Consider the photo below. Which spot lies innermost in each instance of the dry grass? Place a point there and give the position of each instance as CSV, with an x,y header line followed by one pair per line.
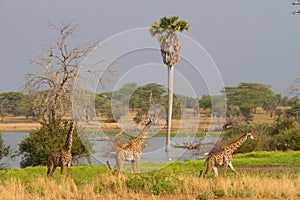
x,y
114,187
19,123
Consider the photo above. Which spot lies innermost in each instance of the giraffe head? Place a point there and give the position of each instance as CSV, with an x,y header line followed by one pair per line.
x,y
147,127
250,135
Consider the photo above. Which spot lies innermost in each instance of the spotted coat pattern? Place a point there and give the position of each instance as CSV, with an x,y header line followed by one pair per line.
x,y
132,151
224,157
63,157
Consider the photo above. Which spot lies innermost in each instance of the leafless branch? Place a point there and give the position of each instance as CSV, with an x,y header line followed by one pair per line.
x,y
53,85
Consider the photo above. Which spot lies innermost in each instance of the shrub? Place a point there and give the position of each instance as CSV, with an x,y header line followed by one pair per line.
x,y
135,183
288,140
283,134
219,193
249,145
4,150
202,196
49,138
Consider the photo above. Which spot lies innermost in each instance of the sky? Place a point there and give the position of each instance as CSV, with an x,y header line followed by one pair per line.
x,y
248,41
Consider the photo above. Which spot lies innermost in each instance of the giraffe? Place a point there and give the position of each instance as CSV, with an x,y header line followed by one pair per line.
x,y
63,157
224,156
132,151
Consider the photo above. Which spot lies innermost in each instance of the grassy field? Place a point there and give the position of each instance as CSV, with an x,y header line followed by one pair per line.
x,y
263,175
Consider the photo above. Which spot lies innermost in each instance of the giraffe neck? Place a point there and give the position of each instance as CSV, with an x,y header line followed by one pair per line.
x,y
135,143
233,146
68,144
138,141
145,130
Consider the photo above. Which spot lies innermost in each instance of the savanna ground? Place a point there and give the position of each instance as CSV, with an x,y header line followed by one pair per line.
x,y
263,175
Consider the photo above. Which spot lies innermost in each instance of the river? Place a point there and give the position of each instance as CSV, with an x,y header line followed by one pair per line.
x,y
154,151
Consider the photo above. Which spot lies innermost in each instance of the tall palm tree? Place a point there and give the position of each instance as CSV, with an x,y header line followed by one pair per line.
x,y
170,48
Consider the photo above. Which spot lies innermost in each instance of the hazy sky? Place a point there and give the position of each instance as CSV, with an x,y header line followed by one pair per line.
x,y
250,41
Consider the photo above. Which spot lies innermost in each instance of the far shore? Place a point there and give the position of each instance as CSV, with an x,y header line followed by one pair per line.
x,y
23,124
19,127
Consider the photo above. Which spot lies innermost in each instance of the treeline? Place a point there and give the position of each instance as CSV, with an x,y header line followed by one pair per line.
x,y
242,102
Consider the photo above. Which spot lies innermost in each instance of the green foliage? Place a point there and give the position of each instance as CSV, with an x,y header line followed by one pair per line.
x,y
235,132
205,102
49,138
4,150
166,180
220,193
285,134
168,24
294,112
202,196
282,135
15,103
135,183
288,139
283,124
263,159
164,183
248,96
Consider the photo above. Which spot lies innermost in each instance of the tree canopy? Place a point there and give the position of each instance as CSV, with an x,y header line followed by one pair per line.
x,y
246,97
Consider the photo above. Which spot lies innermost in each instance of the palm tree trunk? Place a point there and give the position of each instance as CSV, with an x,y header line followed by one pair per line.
x,y
170,106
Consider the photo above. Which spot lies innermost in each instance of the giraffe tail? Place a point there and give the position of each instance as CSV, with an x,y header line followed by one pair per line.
x,y
108,165
200,173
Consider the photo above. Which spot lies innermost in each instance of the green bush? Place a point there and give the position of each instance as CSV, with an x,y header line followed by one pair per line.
x,y
235,132
202,196
4,150
135,184
283,135
219,193
49,138
288,140
98,189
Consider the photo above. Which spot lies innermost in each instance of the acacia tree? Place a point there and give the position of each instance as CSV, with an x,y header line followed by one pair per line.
x,y
170,48
246,97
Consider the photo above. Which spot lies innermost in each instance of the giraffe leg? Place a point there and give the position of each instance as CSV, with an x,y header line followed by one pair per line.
x,y
225,169
209,166
138,166
232,168
69,169
50,170
53,169
119,164
215,171
61,172
132,166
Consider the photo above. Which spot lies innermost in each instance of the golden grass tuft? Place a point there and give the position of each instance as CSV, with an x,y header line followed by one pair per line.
x,y
114,187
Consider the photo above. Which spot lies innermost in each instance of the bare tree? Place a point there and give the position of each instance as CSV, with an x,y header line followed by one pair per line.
x,y
60,61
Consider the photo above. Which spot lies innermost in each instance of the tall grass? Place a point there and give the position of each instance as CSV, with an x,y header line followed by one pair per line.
x,y
178,180
138,187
